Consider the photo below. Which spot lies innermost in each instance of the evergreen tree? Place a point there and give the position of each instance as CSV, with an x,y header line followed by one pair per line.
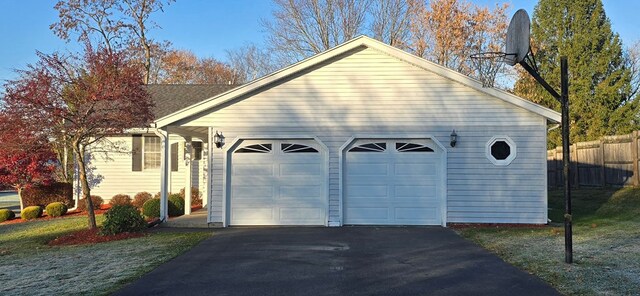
x,y
599,80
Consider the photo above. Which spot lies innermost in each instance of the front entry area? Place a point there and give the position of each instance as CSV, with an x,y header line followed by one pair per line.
x,y
277,182
393,182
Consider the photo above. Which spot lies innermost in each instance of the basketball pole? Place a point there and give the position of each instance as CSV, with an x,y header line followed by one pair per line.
x,y
563,98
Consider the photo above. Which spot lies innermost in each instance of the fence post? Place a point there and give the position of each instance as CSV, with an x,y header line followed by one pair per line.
x,y
634,156
602,164
574,165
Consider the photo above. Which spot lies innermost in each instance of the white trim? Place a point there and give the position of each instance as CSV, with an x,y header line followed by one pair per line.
x,y
545,171
513,149
236,140
361,41
443,169
210,183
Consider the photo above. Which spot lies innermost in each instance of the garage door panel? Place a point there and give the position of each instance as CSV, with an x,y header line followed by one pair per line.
x,y
300,192
415,169
368,169
368,213
252,192
259,216
415,192
399,185
368,191
301,215
284,186
252,169
300,169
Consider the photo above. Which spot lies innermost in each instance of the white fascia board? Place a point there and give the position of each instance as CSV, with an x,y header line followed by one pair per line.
x,y
341,49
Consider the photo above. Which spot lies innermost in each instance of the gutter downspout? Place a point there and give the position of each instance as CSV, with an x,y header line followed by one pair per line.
x,y
553,127
164,171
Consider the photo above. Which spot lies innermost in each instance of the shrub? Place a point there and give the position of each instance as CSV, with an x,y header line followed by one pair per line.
x,y
196,196
120,199
122,218
31,212
56,209
46,194
97,202
176,205
151,208
6,214
140,198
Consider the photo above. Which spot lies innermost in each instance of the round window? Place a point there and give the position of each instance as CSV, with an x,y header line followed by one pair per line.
x,y
501,150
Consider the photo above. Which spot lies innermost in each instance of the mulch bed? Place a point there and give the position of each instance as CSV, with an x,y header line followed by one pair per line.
x,y
91,236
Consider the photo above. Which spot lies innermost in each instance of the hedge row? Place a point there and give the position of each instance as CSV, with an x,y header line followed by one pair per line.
x,y
46,194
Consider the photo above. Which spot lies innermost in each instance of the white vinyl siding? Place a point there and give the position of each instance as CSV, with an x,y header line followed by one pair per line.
x,y
111,174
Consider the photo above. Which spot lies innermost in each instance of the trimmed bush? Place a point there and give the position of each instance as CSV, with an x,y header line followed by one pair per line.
x,y
140,198
176,205
6,214
46,194
151,208
196,196
31,212
56,209
97,202
120,199
122,218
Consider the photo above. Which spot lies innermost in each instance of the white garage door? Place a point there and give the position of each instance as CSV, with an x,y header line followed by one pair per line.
x,y
393,182
278,182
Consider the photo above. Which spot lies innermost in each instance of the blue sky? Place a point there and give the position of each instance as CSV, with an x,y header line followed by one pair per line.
x,y
206,27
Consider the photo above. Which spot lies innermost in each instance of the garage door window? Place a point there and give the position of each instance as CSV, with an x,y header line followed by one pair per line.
x,y
501,150
370,147
297,148
257,148
412,147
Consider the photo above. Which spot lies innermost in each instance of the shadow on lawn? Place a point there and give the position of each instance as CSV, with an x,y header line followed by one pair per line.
x,y
593,204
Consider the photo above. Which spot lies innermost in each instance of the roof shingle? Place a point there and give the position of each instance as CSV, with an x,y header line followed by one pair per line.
x,y
169,98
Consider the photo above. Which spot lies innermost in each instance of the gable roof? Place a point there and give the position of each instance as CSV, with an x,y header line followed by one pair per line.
x,y
357,42
169,98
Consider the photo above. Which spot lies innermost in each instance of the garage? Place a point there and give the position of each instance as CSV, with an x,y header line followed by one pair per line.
x,y
278,182
393,182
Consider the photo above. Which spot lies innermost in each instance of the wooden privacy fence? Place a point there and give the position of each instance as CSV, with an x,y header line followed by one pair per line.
x,y
611,161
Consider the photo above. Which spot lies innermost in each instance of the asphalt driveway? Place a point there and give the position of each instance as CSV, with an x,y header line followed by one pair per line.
x,y
337,261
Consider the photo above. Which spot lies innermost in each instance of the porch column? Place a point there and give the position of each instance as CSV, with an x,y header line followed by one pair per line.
x,y
188,182
164,172
210,148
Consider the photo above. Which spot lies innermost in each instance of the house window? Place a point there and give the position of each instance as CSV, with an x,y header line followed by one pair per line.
x,y
151,152
412,147
297,148
370,147
257,148
501,150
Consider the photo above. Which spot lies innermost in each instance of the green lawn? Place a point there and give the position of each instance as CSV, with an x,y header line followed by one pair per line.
x,y
29,267
606,243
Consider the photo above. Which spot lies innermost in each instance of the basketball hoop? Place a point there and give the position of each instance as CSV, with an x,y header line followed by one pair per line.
x,y
488,64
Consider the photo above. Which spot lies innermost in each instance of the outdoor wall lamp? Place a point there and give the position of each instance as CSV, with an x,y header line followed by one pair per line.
x,y
454,138
218,139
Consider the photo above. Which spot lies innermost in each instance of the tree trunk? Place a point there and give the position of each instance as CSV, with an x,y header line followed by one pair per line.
x,y
19,189
86,191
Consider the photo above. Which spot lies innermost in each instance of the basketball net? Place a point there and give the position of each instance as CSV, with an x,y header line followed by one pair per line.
x,y
487,65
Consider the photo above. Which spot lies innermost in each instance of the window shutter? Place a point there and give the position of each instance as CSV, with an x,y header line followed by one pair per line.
x,y
136,153
174,157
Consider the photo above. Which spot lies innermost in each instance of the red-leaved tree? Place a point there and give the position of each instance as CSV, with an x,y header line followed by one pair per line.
x,y
26,159
80,99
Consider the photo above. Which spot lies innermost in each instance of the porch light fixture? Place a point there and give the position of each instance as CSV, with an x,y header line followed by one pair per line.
x,y
218,139
454,138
